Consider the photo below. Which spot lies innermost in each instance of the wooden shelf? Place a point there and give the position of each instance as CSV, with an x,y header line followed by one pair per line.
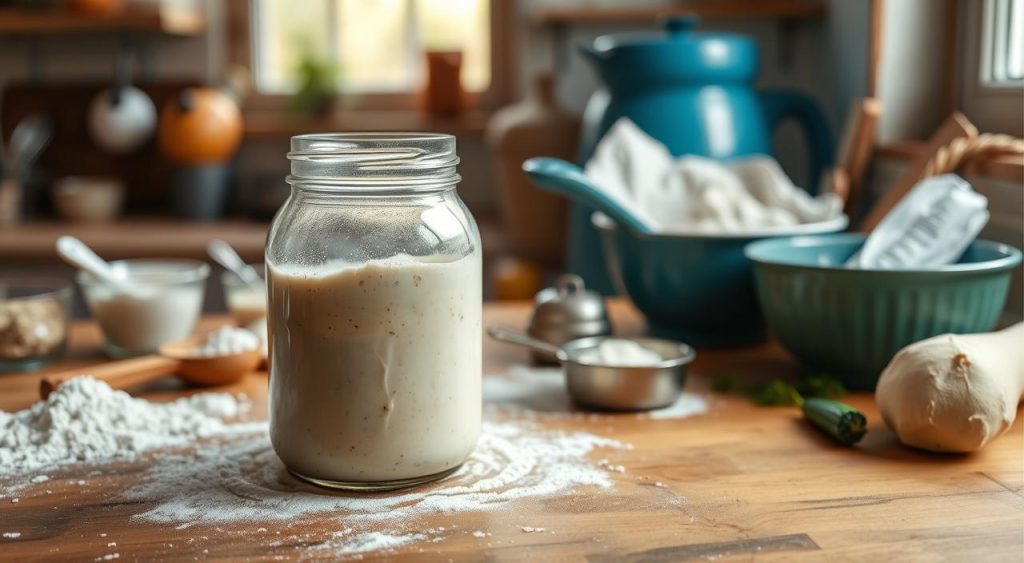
x,y
272,125
169,22
33,242
706,9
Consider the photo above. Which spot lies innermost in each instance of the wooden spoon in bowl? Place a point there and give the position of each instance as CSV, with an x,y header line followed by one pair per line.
x,y
174,357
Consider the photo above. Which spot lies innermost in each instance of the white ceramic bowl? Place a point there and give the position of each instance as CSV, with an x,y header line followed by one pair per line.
x,y
162,304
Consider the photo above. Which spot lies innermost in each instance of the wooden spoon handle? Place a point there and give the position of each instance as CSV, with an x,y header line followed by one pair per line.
x,y
119,375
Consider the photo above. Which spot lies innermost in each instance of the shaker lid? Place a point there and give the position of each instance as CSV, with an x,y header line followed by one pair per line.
x,y
568,302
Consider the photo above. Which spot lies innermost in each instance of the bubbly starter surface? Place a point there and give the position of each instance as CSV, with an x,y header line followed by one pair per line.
x,y
376,368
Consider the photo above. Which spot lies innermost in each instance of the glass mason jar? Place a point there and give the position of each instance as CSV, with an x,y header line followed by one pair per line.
x,y
374,282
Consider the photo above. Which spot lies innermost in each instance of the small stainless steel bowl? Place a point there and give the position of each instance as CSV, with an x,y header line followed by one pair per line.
x,y
618,388
625,388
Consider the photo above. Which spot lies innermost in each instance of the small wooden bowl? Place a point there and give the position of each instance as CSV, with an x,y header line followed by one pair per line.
x,y
210,370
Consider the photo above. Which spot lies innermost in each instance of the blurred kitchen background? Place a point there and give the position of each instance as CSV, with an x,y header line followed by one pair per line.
x,y
142,153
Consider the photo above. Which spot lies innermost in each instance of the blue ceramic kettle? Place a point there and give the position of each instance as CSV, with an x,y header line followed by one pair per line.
x,y
694,92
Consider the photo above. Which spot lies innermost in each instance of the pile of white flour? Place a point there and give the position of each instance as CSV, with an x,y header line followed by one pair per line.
x,y
85,420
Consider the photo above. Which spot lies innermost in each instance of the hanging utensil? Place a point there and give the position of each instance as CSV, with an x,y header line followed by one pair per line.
x,y
122,117
30,137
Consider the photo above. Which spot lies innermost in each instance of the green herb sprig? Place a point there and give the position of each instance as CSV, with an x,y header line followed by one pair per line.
x,y
814,395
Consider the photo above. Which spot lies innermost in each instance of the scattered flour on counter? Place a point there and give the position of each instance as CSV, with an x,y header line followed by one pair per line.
x,y
12,535
242,480
86,421
352,543
539,393
232,475
532,530
604,463
687,405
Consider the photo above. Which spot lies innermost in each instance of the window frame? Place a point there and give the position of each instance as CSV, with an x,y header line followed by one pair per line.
x,y
989,105
500,91
990,34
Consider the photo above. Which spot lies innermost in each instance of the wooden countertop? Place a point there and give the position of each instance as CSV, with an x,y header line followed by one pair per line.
x,y
741,482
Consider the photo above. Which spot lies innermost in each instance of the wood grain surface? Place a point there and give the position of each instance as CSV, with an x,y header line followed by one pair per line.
x,y
741,483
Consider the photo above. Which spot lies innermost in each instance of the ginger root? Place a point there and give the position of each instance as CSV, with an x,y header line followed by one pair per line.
x,y
954,393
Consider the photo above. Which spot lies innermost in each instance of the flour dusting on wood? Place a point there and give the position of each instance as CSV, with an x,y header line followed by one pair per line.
x,y
233,475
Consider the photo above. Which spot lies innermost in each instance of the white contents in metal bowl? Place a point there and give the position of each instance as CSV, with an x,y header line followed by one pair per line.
x,y
227,340
618,352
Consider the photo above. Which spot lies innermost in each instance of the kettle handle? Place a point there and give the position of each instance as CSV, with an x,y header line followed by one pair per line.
x,y
779,105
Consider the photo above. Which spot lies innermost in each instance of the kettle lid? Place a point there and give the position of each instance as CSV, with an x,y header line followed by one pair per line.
x,y
677,39
567,303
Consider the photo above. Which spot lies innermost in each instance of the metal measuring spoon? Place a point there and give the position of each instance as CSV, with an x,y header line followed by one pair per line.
x,y
619,388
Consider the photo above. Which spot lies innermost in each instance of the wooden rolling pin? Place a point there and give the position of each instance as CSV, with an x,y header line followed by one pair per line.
x,y
119,375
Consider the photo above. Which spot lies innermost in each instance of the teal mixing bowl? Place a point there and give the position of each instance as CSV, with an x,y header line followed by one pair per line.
x,y
695,288
849,323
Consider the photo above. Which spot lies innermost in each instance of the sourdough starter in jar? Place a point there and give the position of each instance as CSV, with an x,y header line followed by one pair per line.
x,y
373,312
376,367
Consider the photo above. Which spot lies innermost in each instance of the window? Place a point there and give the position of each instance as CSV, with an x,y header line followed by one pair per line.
x,y
373,46
1003,43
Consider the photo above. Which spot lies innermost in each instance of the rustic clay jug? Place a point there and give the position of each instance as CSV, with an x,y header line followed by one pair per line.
x,y
535,221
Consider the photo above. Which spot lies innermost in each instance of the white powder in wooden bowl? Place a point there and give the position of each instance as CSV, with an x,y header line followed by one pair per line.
x,y
228,340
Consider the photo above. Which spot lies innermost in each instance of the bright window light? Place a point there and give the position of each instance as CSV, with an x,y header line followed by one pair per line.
x,y
376,45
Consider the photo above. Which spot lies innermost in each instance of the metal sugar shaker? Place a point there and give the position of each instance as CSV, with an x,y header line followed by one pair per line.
x,y
566,312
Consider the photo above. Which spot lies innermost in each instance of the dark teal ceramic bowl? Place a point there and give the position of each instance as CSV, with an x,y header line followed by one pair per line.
x,y
695,288
849,323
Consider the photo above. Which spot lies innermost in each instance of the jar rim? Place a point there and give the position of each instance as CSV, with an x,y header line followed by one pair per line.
x,y
372,161
298,141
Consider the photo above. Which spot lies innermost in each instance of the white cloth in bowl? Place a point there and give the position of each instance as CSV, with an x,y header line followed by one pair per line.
x,y
694,194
